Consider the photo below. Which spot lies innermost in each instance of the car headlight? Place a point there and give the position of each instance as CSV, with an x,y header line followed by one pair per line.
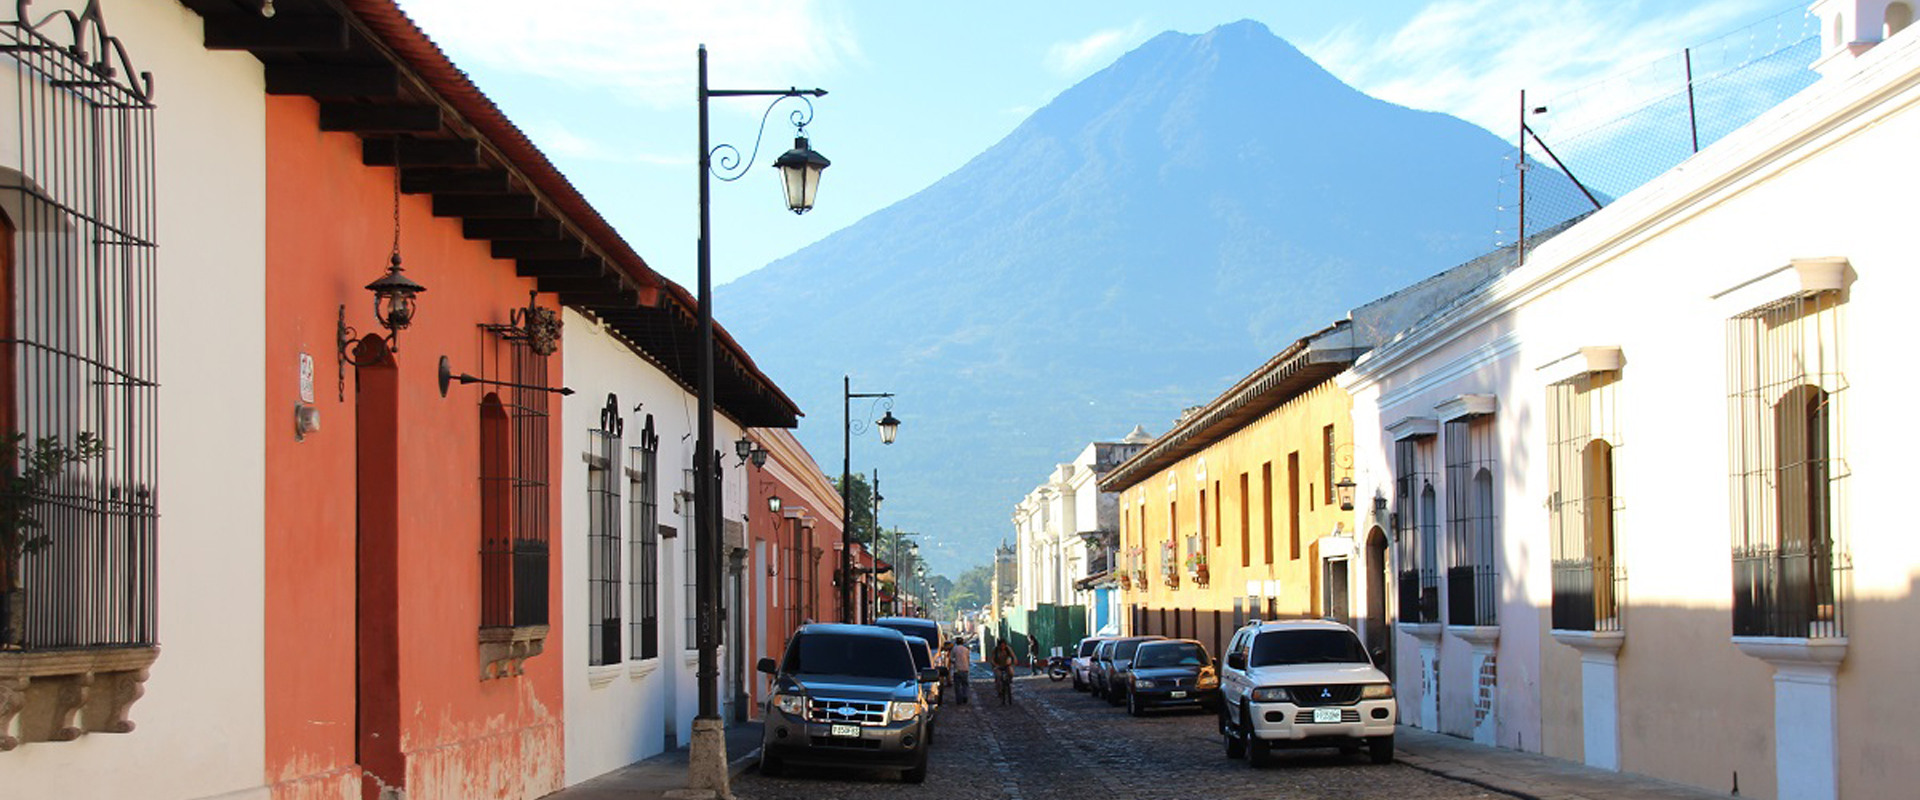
x,y
1376,691
1143,683
1270,694
905,711
793,704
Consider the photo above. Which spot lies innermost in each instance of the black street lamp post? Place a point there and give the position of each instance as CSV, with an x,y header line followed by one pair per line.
x,y
889,427
800,175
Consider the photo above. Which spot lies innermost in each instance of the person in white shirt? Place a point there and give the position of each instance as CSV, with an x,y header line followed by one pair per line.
x,y
958,659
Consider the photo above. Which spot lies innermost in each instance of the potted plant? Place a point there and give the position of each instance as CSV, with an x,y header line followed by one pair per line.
x,y
26,468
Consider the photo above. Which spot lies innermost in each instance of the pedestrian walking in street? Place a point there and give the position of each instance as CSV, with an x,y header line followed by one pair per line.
x,y
1033,655
958,659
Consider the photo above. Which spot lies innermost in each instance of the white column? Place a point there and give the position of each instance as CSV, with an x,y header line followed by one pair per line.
x,y
1484,682
1428,634
1599,693
1806,741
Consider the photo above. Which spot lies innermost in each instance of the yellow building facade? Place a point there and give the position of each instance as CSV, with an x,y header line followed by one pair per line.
x,y
1236,512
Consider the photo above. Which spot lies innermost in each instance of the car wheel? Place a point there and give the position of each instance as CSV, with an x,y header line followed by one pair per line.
x,y
918,772
1380,749
1235,747
1133,705
1114,697
1077,685
1258,749
771,765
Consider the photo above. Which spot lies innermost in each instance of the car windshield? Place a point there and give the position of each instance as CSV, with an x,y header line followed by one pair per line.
x,y
1307,647
1103,652
1087,647
922,653
853,656
1171,654
1124,650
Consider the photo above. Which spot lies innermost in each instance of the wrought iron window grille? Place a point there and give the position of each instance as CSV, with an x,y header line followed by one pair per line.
x,y
644,543
1472,480
1787,397
1415,530
1583,432
604,624
514,479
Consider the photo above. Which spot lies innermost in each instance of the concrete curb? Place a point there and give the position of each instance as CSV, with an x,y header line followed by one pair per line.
x,y
1426,766
739,766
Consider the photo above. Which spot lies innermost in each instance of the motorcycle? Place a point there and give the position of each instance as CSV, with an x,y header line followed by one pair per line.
x,y
1058,668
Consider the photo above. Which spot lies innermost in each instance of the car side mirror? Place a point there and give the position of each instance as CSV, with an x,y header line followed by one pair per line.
x,y
1237,660
767,666
929,675
1379,656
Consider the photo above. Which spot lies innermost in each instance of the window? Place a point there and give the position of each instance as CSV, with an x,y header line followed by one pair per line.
x,y
643,547
1326,463
603,545
1219,521
1582,432
515,506
1899,16
1293,505
1471,577
1246,524
1415,529
1266,506
1786,411
78,356
1203,513
691,572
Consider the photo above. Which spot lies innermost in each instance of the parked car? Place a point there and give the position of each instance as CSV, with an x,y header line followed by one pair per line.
x,y
1097,666
847,696
1118,662
1170,673
1083,662
930,691
916,626
1303,683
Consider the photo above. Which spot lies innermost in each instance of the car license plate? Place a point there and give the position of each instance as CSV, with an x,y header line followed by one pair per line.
x,y
1178,695
853,731
1326,715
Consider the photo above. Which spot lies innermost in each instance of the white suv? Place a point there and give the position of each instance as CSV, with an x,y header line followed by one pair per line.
x,y
1305,683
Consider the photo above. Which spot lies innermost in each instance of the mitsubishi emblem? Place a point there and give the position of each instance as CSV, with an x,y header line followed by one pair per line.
x,y
1325,694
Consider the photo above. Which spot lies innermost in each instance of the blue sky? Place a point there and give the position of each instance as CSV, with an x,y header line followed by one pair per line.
x,y
605,87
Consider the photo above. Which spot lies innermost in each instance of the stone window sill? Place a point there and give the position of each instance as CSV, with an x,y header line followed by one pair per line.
x,y
60,695
1477,635
638,670
504,650
603,674
1428,632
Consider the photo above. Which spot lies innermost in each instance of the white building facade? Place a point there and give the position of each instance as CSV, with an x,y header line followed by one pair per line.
x,y
1066,530
1629,483
627,516
171,704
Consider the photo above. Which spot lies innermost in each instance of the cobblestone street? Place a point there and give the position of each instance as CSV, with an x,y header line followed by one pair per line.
x,y
1055,742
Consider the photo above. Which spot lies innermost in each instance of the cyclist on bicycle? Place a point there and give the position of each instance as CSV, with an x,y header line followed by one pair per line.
x,y
1003,663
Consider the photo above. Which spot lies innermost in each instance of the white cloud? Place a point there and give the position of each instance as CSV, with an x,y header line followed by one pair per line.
x,y
561,143
1471,58
644,48
1074,57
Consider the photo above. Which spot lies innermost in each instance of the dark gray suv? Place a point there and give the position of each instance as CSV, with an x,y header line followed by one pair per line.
x,y
846,696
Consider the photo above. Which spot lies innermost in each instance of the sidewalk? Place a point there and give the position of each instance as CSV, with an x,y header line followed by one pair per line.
x,y
1528,775
664,775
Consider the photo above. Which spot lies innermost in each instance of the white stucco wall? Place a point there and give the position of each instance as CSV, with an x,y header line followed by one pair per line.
x,y
201,722
1658,274
620,713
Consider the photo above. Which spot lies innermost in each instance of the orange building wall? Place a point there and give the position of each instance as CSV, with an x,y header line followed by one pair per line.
x,y
329,231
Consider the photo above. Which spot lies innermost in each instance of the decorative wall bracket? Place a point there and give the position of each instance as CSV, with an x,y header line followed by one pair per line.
x,y
59,696
447,379
504,650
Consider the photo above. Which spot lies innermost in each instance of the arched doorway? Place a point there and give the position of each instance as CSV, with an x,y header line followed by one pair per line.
x,y
376,570
1379,630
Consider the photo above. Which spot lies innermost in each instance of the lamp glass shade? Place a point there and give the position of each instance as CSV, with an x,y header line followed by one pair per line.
x,y
877,498
393,297
743,448
759,457
800,170
1344,488
889,427
773,503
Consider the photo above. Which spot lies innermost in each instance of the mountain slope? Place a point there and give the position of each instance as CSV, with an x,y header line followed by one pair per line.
x,y
1130,249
